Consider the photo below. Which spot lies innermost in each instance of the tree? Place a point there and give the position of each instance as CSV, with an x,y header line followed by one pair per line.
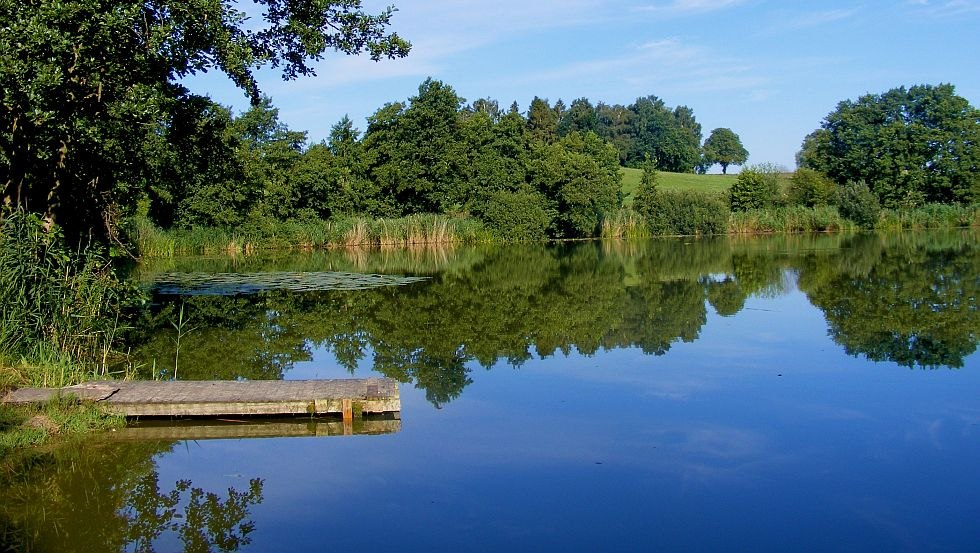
x,y
724,148
671,137
416,154
85,83
542,120
581,117
756,187
911,146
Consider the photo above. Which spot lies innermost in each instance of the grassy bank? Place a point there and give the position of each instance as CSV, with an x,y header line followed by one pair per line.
x,y
63,311
35,425
796,219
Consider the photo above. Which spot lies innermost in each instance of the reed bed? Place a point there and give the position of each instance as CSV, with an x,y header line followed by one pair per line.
x,y
62,310
625,224
348,232
788,219
929,216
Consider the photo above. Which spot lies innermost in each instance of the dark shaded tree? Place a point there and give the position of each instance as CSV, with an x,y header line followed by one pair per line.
x,y
86,82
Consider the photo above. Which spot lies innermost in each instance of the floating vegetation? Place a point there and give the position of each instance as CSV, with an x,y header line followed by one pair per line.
x,y
231,284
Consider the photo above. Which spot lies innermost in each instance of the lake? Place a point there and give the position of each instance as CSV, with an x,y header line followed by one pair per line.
x,y
785,393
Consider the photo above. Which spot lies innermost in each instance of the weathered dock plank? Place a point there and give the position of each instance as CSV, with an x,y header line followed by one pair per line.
x,y
139,398
210,429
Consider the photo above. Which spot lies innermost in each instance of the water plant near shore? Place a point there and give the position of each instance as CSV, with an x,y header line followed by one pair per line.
x,y
62,312
345,232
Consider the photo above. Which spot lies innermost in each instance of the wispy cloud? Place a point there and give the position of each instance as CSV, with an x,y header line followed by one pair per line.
x,y
441,29
945,8
688,7
666,63
816,19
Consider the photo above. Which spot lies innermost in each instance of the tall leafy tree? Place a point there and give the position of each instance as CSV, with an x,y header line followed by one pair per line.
x,y
671,137
915,145
85,83
724,147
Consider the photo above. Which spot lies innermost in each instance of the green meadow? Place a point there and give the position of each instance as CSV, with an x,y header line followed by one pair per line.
x,y
675,182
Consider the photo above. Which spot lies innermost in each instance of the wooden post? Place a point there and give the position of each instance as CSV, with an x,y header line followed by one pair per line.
x,y
348,410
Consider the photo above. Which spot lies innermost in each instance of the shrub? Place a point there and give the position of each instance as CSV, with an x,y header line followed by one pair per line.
x,y
855,201
519,215
811,188
755,188
682,213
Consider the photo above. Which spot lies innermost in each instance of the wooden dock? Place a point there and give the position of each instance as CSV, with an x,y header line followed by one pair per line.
x,y
224,429
214,398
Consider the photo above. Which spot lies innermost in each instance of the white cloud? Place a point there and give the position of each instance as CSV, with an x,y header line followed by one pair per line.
x,y
945,8
662,64
686,7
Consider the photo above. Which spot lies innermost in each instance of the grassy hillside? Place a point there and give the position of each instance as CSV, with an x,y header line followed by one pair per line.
x,y
675,181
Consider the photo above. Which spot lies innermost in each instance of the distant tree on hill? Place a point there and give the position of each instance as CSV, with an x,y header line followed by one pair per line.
x,y
724,148
542,120
911,146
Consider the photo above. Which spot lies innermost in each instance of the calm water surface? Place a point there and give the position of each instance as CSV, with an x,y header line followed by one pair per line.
x,y
781,394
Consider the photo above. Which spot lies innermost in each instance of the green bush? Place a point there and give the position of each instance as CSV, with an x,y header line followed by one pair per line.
x,y
519,215
755,188
682,213
811,188
856,202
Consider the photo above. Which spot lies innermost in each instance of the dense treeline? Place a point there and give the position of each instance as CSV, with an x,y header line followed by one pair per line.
x,y
907,147
554,172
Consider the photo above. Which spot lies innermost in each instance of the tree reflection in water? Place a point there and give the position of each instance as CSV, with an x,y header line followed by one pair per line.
x,y
907,298
56,499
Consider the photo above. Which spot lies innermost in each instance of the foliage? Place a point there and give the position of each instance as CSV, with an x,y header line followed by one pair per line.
x,y
724,147
681,213
756,187
857,202
542,121
266,234
672,138
580,178
911,146
57,305
811,188
929,216
519,215
87,85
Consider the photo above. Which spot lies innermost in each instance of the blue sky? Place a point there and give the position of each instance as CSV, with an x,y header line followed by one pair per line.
x,y
770,71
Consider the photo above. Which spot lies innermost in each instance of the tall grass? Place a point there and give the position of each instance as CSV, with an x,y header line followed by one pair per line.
x,y
625,224
268,234
788,219
929,216
61,308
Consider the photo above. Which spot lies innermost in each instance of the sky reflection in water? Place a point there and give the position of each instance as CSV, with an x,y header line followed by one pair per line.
x,y
762,434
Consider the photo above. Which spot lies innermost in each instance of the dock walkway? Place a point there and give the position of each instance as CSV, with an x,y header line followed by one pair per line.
x,y
147,398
